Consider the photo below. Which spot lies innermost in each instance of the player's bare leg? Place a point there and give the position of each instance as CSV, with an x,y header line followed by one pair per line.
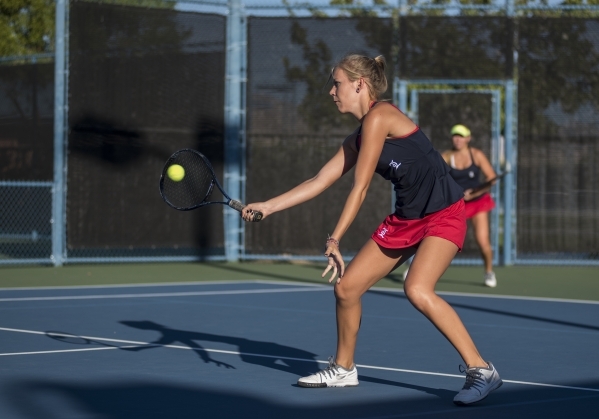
x,y
430,262
480,223
371,264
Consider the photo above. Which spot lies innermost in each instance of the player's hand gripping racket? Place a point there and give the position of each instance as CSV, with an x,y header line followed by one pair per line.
x,y
187,181
488,183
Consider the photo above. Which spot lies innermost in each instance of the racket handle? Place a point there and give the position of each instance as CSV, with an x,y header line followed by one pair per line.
x,y
238,206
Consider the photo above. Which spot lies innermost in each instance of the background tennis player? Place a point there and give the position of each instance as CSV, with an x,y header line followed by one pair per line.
x,y
468,165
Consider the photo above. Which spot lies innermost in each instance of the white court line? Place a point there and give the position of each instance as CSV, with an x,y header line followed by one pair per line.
x,y
220,351
62,351
294,283
499,296
163,294
149,284
460,294
146,284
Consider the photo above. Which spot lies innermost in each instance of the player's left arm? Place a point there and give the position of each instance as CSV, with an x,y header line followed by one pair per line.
x,y
375,128
374,132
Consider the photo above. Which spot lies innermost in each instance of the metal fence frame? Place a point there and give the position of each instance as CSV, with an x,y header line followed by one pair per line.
x,y
235,120
510,141
417,88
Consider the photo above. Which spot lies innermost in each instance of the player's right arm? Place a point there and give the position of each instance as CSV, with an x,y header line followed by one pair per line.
x,y
333,170
447,156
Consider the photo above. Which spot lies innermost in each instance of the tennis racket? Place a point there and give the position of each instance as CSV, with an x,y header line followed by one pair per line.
x,y
193,184
75,339
86,340
488,183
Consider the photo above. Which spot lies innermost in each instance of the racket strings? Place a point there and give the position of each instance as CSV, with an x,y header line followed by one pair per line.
x,y
195,186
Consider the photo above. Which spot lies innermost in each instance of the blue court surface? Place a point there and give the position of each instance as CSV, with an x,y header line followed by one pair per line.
x,y
236,349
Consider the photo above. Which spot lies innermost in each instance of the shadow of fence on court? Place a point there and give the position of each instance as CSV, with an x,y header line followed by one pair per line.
x,y
499,312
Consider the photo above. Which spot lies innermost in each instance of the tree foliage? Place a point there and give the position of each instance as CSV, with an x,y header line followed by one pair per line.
x,y
549,52
315,108
26,26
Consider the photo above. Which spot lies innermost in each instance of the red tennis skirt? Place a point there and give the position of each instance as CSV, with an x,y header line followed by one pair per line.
x,y
483,204
399,233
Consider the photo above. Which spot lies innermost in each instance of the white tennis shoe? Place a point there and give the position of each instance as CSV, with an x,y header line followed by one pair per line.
x,y
332,376
479,383
490,280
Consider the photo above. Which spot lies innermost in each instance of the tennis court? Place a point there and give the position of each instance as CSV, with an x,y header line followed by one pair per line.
x,y
235,347
149,312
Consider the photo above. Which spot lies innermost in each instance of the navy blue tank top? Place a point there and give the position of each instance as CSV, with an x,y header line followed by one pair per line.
x,y
419,175
467,178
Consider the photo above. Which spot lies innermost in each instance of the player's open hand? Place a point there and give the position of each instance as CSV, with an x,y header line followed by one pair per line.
x,y
335,263
248,212
468,196
222,364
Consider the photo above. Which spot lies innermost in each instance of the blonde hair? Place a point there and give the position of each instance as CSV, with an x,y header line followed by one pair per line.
x,y
371,69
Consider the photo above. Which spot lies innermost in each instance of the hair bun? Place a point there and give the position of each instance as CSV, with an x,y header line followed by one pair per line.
x,y
380,61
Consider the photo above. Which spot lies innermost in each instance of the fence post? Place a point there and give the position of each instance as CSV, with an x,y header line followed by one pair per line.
x,y
233,159
60,118
508,222
400,90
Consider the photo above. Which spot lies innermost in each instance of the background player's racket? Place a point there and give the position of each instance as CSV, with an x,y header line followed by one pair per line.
x,y
488,183
188,180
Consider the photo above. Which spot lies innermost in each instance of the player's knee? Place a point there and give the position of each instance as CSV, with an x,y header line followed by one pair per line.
x,y
345,294
418,296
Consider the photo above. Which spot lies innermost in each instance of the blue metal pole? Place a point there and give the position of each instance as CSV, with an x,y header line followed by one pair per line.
x,y
413,112
496,159
233,126
243,124
509,7
60,113
508,183
401,101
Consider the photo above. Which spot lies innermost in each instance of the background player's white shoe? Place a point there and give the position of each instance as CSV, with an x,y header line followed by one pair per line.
x,y
490,280
479,383
332,376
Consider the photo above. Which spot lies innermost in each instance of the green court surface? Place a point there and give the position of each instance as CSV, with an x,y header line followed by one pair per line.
x,y
581,283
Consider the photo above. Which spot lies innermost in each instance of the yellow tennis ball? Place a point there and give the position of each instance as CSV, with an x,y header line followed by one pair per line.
x,y
176,172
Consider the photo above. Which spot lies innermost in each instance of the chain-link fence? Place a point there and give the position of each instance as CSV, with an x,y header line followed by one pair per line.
x,y
26,158
142,82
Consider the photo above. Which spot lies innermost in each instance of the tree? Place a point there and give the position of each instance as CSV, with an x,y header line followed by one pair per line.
x,y
26,26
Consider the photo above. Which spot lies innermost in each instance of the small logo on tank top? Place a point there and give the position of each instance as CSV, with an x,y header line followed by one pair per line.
x,y
383,232
471,174
394,165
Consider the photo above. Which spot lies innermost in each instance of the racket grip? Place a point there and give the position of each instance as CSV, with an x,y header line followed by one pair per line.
x,y
238,206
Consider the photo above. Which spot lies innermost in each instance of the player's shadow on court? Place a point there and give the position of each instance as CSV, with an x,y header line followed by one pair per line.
x,y
266,354
439,392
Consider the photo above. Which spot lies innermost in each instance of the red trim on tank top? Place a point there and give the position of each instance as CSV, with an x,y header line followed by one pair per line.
x,y
404,136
